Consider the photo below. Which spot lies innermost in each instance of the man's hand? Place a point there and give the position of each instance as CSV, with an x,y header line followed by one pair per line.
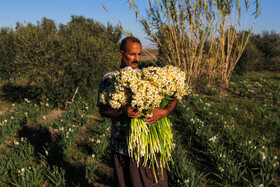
x,y
132,112
107,111
158,113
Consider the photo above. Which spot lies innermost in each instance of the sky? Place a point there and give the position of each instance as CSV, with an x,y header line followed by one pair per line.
x,y
31,11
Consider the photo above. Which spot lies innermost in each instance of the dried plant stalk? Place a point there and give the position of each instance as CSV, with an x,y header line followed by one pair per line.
x,y
202,37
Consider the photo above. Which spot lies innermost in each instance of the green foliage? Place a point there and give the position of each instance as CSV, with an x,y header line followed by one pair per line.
x,y
183,171
261,53
56,62
269,44
100,141
220,140
8,70
250,58
233,138
89,51
56,176
33,158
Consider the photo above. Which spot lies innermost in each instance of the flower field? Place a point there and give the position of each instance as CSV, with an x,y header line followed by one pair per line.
x,y
221,138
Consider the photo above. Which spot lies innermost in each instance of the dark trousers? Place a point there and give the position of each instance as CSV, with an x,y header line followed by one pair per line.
x,y
127,174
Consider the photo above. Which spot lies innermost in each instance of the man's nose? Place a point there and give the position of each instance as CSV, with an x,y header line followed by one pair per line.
x,y
137,57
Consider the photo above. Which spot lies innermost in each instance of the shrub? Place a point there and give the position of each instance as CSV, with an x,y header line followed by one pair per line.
x,y
59,61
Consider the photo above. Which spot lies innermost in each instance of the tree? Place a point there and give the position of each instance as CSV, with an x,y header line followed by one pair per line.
x,y
89,51
269,44
7,54
38,50
58,62
250,58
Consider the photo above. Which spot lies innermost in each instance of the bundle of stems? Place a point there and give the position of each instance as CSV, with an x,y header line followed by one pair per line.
x,y
150,144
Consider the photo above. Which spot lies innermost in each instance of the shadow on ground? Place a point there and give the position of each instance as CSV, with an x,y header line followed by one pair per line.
x,y
15,93
41,139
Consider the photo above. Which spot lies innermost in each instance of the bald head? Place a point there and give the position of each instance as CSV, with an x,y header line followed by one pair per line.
x,y
130,39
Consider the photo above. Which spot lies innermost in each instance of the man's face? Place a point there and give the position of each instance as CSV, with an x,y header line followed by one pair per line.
x,y
132,55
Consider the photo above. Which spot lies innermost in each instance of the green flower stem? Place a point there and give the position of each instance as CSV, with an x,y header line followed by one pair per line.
x,y
149,141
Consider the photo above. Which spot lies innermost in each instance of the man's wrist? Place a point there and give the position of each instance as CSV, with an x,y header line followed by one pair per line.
x,y
166,112
123,110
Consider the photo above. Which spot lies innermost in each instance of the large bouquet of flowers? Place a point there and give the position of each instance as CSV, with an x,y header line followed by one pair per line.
x,y
152,87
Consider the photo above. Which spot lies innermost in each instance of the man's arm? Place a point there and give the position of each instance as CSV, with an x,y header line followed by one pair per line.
x,y
159,113
108,112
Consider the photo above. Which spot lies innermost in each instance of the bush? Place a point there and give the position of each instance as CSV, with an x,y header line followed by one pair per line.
x,y
261,53
58,61
250,58
7,54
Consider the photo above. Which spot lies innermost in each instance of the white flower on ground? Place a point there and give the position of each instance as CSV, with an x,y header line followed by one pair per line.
x,y
26,100
262,155
213,139
22,139
98,141
221,155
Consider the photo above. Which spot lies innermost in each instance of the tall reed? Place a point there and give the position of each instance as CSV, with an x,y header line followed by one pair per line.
x,y
204,38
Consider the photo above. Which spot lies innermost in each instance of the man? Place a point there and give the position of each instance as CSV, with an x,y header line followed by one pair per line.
x,y
126,172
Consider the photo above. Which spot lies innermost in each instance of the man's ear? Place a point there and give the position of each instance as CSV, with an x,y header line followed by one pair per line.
x,y
121,53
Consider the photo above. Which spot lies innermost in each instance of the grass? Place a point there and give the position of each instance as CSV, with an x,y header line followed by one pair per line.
x,y
228,137
233,136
